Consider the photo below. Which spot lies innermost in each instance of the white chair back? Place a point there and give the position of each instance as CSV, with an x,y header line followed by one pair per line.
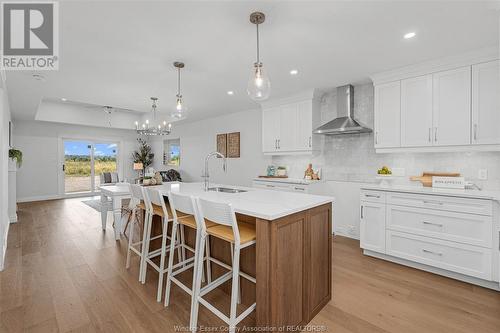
x,y
137,192
155,197
220,213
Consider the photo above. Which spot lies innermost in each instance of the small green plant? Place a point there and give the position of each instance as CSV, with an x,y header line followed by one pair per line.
x,y
17,155
144,154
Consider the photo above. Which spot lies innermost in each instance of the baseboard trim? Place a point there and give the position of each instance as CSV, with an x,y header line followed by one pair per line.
x,y
457,276
39,198
13,218
4,247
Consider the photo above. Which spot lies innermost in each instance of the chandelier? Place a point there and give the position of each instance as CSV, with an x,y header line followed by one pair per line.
x,y
154,127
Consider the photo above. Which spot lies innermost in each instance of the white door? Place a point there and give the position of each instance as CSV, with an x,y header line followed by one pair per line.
x,y
486,103
288,123
416,111
372,226
304,126
388,115
270,129
451,107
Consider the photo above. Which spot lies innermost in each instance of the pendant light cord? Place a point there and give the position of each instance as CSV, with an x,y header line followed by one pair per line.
x,y
258,50
178,81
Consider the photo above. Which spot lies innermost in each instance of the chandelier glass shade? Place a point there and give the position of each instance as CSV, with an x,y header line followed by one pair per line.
x,y
155,126
180,109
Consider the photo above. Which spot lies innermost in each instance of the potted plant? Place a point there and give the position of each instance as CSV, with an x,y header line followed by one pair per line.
x,y
143,155
17,156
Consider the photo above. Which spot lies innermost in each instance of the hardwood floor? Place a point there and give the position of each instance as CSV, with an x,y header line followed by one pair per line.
x,y
63,274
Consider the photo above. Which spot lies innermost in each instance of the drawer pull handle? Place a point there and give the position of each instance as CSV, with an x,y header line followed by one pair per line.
x,y
299,188
433,202
430,223
432,252
270,185
372,196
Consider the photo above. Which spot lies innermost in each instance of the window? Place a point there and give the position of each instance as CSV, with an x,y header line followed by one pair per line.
x,y
172,152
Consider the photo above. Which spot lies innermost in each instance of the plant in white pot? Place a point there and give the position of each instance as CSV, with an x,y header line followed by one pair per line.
x,y
16,156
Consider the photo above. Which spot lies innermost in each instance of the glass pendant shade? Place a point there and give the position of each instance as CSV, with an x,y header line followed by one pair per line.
x,y
259,86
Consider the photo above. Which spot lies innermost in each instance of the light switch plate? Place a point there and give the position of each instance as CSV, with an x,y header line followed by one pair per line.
x,y
482,174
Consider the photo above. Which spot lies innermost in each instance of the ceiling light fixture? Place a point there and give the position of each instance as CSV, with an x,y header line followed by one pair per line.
x,y
410,35
63,99
294,72
153,128
180,110
230,92
259,86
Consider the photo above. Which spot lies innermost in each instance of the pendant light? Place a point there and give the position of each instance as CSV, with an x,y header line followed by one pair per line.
x,y
180,109
259,86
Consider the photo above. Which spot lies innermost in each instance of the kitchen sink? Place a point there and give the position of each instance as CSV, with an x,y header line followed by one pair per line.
x,y
226,190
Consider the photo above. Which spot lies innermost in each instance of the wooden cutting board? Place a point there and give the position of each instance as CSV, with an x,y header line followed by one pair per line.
x,y
426,178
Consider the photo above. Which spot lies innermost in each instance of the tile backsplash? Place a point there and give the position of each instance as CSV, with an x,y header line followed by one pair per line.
x,y
353,157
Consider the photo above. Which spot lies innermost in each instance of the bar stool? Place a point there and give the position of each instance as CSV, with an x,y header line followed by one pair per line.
x,y
239,235
137,202
155,205
185,214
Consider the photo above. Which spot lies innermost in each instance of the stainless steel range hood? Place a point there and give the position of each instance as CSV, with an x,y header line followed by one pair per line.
x,y
345,122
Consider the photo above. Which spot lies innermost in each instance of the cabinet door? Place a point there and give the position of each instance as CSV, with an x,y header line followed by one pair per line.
x,y
451,110
388,115
270,129
416,111
372,226
288,124
304,126
486,103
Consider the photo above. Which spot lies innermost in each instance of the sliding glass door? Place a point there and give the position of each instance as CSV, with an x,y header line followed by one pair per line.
x,y
84,162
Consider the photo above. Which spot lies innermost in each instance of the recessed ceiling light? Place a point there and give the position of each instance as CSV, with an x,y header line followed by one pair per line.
x,y
63,99
410,35
294,72
230,92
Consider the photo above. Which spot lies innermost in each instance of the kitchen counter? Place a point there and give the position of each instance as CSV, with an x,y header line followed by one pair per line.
x,y
299,181
476,194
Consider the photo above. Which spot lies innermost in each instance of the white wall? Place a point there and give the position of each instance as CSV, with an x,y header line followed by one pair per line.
x,y
199,138
40,142
349,160
4,153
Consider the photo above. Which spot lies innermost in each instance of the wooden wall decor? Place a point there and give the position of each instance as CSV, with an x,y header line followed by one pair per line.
x,y
233,145
222,144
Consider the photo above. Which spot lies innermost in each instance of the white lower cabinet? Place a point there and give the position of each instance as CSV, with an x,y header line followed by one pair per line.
x,y
372,226
452,234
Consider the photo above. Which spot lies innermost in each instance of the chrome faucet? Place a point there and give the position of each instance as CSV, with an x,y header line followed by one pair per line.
x,y
206,184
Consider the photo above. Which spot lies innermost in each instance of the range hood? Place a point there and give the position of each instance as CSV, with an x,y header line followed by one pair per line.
x,y
345,122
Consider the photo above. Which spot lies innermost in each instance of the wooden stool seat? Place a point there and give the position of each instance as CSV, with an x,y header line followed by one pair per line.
x,y
189,221
247,232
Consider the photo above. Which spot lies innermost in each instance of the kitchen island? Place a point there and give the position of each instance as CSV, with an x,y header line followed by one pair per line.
x,y
292,256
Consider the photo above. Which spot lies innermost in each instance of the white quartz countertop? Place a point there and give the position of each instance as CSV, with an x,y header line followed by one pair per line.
x,y
299,181
489,195
260,203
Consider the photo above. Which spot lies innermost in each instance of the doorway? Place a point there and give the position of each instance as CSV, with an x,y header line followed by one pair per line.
x,y
84,162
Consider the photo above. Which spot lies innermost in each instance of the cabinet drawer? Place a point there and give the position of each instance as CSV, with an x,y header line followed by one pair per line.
x,y
372,196
465,259
458,227
438,202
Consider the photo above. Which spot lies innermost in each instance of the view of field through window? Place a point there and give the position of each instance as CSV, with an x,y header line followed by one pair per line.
x,y
78,164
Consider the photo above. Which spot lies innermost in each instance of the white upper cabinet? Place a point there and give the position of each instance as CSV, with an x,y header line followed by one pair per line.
x,y
270,129
416,111
287,139
304,126
287,125
486,103
388,115
451,107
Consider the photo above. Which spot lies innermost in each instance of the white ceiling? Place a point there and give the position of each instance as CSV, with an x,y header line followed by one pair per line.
x,y
120,53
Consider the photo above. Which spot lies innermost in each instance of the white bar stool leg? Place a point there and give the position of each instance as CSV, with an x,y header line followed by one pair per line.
x,y
162,258
209,264
143,248
130,240
146,248
173,241
235,289
199,254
